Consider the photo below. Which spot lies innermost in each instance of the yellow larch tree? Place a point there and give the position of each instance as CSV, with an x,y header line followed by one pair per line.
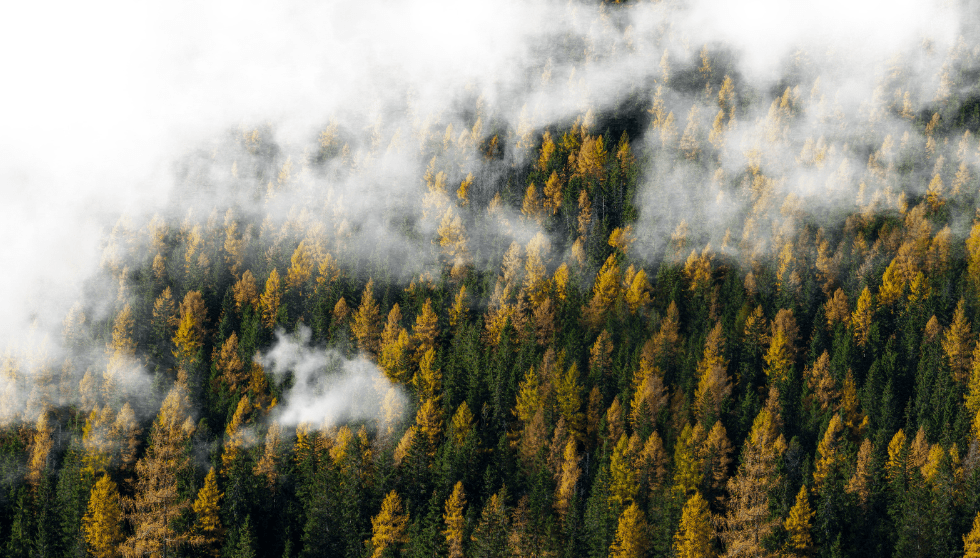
x,y
957,344
208,531
694,534
714,384
246,292
191,329
532,208
798,525
715,458
862,317
688,471
271,299
860,483
394,347
428,423
637,290
828,451
584,214
567,479
455,521
41,444
971,541
234,245
389,528
229,365
779,360
102,523
592,157
568,396
623,482
821,382
366,322
653,461
156,501
553,193
649,396
301,266
237,435
98,441
838,310
535,272
125,430
973,392
631,534
748,519
425,330
460,308
267,465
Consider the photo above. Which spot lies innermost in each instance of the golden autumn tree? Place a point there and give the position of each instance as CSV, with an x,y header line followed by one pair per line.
x,y
714,384
40,449
623,483
102,523
862,317
191,329
156,501
237,435
271,299
567,479
604,294
749,520
394,347
958,344
455,521
568,395
245,291
208,531
425,331
828,454
694,534
971,541
366,327
798,526
860,483
631,534
229,365
389,529
301,266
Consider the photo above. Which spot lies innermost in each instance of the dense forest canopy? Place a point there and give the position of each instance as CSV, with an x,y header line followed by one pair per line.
x,y
634,290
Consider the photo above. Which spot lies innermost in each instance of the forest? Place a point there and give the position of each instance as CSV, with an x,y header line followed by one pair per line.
x,y
707,318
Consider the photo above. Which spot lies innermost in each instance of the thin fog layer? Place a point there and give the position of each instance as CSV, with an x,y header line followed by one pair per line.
x,y
326,389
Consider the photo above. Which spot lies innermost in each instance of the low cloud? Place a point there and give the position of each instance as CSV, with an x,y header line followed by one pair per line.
x,y
327,389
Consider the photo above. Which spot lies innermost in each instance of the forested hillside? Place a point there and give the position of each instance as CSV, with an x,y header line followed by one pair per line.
x,y
696,317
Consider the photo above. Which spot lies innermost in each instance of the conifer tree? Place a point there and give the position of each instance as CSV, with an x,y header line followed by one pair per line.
x,y
971,541
748,520
714,384
798,526
425,331
455,522
270,300
207,507
604,294
191,329
631,535
156,502
366,320
389,528
102,524
567,479
694,534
